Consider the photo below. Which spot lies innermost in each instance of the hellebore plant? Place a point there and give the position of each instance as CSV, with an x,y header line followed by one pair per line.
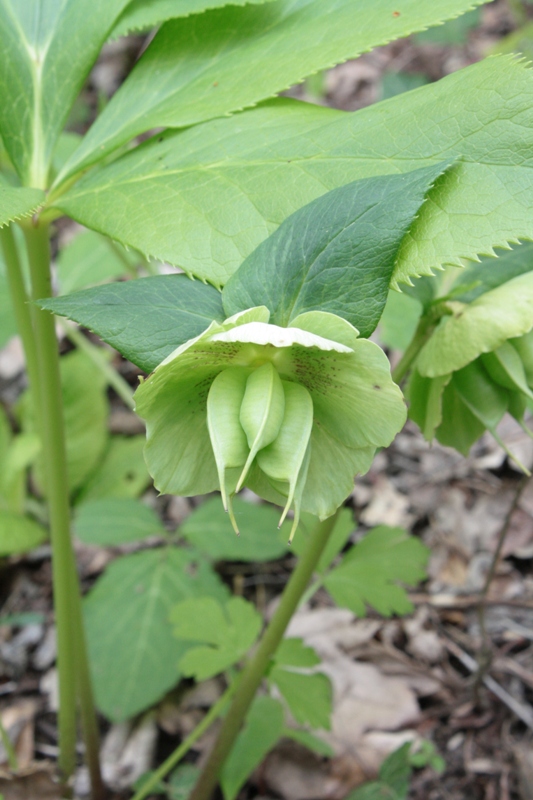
x,y
293,413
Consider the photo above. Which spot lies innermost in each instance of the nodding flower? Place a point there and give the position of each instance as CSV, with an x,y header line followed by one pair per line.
x,y
292,413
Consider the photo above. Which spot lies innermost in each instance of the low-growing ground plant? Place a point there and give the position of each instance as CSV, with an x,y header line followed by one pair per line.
x,y
301,225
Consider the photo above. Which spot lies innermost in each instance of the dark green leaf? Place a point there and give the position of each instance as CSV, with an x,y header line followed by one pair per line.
x,y
481,277
308,697
144,319
336,254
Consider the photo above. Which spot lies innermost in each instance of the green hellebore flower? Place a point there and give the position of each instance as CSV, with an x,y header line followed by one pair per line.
x,y
293,413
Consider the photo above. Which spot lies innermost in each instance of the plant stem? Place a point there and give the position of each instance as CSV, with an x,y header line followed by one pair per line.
x,y
253,673
174,758
20,301
116,381
8,747
72,663
423,332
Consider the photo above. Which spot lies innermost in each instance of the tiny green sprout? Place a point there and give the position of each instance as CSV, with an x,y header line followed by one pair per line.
x,y
292,413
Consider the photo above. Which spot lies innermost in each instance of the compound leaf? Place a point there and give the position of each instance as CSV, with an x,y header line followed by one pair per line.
x,y
204,198
193,69
47,51
226,633
370,572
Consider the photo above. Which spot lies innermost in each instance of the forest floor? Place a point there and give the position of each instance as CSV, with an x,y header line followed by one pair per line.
x,y
395,679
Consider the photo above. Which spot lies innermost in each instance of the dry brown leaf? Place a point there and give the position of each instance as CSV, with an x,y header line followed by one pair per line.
x,y
18,722
38,781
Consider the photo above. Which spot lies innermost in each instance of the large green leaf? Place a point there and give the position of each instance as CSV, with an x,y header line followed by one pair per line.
x,y
16,201
371,571
141,14
262,729
336,254
194,68
91,259
18,533
145,319
48,48
221,188
134,657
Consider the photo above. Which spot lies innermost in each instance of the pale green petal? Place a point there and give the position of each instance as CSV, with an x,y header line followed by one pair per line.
x,y
479,327
178,449
256,314
332,468
354,396
330,326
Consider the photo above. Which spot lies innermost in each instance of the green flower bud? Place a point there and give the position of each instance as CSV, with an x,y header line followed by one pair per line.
x,y
293,413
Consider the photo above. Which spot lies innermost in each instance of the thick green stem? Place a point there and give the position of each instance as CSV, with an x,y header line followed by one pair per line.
x,y
22,310
253,673
174,758
72,660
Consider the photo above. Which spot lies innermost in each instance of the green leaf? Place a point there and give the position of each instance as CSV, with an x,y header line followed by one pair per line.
x,y
17,202
294,653
146,319
48,49
370,572
179,82
455,31
262,729
489,274
209,530
142,14
223,187
226,632
115,520
18,534
17,457
134,657
459,427
336,254
479,327
85,412
399,320
309,697
122,472
89,260
8,323
425,401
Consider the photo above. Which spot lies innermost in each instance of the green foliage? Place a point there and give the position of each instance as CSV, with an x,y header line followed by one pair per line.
x,y
395,772
336,254
226,633
210,531
224,186
370,572
308,694
17,202
115,520
455,31
17,453
48,51
145,319
134,657
18,533
91,259
121,473
262,729
178,83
